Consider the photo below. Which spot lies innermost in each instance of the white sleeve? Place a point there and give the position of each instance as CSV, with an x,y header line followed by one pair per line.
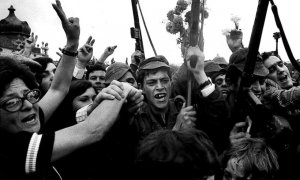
x,y
78,73
81,113
208,90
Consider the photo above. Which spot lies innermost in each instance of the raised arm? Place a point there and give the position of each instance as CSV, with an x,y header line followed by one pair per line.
x,y
63,75
85,54
107,52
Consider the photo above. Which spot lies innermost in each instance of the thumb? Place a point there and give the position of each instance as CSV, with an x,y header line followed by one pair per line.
x,y
183,106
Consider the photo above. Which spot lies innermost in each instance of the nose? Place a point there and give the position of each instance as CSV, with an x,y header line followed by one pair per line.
x,y
159,85
279,69
224,83
97,81
27,105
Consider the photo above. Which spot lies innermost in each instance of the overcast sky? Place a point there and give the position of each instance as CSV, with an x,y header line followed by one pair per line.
x,y
109,23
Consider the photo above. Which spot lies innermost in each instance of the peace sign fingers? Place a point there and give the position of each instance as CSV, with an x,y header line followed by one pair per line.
x,y
60,12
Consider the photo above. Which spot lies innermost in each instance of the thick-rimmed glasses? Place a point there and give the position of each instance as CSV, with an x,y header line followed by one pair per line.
x,y
16,103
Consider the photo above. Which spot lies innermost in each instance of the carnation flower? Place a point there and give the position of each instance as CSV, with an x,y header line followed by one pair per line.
x,y
180,21
170,15
177,10
169,26
236,21
178,24
205,13
188,17
182,5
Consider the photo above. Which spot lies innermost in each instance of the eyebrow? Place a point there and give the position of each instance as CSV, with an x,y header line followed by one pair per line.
x,y
273,65
13,94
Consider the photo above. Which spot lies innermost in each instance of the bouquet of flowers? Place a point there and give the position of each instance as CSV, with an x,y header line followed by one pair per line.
x,y
235,33
179,21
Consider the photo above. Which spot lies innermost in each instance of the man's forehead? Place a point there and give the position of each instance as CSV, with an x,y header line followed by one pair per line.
x,y
157,75
97,73
221,76
272,60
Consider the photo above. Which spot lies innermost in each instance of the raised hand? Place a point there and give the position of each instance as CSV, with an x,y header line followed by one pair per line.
x,y
234,40
134,101
137,57
113,91
85,53
70,26
59,53
29,44
195,52
107,52
186,118
239,132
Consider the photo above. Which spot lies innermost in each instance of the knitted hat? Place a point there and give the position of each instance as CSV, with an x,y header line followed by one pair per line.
x,y
116,71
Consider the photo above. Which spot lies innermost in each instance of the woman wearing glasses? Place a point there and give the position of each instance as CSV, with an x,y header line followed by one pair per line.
x,y
28,153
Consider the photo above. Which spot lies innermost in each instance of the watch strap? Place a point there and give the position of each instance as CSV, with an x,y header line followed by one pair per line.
x,y
69,53
203,85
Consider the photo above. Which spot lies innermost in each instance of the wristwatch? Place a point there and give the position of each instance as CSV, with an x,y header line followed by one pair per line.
x,y
203,85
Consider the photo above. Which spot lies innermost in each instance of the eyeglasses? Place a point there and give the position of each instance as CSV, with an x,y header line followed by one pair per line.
x,y
15,104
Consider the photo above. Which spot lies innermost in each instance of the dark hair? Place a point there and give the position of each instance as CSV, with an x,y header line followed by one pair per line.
x,y
266,55
167,154
43,61
11,69
77,88
141,74
64,116
256,157
99,66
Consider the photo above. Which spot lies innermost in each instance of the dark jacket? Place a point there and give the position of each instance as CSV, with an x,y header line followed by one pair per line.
x,y
212,111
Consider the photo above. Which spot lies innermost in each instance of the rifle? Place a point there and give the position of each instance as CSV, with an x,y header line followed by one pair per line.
x,y
264,123
245,98
136,30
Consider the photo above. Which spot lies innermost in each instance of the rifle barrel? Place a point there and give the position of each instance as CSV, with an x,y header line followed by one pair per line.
x,y
254,43
139,39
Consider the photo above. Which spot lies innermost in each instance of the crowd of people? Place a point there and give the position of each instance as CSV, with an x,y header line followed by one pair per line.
x,y
84,119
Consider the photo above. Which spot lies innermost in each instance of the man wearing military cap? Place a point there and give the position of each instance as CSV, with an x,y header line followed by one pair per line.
x,y
159,111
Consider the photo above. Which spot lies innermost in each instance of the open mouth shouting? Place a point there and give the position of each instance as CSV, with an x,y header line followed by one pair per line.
x,y
283,78
161,97
30,120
